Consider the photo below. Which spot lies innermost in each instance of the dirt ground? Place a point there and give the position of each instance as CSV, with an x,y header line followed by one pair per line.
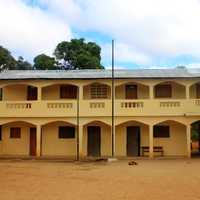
x,y
149,180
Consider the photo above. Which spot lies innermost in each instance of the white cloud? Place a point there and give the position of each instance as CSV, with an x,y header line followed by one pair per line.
x,y
30,30
145,30
152,28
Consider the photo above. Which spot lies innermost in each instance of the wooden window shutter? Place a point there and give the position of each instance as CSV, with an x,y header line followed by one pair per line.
x,y
163,91
31,93
131,92
68,92
198,91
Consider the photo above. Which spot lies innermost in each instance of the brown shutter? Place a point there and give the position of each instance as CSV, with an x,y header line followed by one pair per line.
x,y
198,91
163,91
131,92
31,93
68,92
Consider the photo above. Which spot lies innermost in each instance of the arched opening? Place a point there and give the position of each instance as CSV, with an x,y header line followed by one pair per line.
x,y
171,137
96,91
97,139
132,90
131,136
195,91
59,139
169,90
19,92
195,138
59,92
18,138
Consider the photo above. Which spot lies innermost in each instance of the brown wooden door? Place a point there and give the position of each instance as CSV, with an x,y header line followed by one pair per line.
x,y
31,93
133,141
32,141
198,91
131,92
94,141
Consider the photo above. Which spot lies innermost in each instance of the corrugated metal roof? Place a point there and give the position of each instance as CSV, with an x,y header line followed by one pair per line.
x,y
100,74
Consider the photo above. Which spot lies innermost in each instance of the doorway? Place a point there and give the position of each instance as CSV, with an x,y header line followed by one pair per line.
x,y
32,141
131,92
94,141
133,141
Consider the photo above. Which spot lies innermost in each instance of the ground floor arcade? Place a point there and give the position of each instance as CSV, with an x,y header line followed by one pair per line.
x,y
153,136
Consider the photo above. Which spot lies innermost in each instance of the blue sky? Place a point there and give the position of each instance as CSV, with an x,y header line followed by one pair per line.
x,y
147,33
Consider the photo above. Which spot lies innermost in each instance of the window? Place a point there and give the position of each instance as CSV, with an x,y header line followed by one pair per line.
x,y
98,91
68,92
15,132
198,90
32,93
161,131
131,91
66,132
163,91
1,94
0,133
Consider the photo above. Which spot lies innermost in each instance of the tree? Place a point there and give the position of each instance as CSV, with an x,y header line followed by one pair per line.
x,y
44,62
23,64
77,54
7,61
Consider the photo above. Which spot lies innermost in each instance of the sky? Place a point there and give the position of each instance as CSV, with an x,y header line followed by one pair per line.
x,y
147,33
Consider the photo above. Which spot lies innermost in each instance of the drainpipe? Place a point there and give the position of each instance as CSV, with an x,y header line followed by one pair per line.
x,y
77,122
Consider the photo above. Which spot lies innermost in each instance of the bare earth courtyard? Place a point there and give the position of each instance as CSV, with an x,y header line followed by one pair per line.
x,y
150,179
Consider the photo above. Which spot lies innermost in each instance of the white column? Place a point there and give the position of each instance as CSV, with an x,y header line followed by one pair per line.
x,y
38,141
188,133
151,141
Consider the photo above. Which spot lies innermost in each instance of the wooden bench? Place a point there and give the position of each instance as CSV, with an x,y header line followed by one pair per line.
x,y
158,149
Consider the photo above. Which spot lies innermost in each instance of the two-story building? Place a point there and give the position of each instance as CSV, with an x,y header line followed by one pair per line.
x,y
69,113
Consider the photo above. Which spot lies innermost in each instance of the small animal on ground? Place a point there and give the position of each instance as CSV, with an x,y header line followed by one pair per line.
x,y
132,162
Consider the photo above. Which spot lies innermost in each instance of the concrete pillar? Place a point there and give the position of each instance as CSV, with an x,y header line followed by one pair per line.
x,y
151,141
187,91
81,154
39,89
38,141
151,91
188,133
80,90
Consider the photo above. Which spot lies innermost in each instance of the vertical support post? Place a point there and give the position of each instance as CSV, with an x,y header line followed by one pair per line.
x,y
188,133
81,154
79,135
39,91
187,88
151,141
113,103
38,141
151,92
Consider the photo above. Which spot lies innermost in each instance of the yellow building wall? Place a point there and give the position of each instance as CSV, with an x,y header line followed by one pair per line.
x,y
51,92
15,146
52,145
87,95
143,91
193,92
15,93
106,148
121,139
176,144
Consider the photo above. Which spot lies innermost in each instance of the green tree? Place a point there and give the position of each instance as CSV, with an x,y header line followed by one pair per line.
x,y
78,54
23,64
44,62
7,61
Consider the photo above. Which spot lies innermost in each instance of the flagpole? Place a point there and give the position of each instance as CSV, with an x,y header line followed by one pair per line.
x,y
113,103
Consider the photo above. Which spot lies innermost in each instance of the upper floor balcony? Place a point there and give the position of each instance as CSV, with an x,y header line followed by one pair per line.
x,y
94,99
